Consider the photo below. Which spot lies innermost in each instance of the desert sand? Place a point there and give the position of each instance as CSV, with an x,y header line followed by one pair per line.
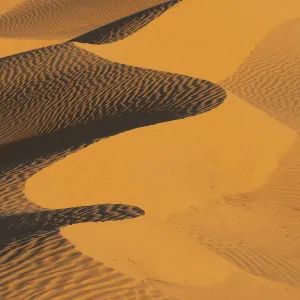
x,y
207,172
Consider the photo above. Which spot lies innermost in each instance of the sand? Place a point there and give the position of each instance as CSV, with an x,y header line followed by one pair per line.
x,y
211,40
220,189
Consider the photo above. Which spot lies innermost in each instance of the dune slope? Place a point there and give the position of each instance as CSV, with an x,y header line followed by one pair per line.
x,y
67,18
260,232
38,128
224,184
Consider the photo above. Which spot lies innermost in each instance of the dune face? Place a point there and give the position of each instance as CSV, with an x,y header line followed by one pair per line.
x,y
122,28
273,84
203,39
108,99
203,207
58,67
38,128
19,225
48,19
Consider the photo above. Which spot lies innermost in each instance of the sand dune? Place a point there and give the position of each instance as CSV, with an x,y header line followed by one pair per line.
x,y
25,27
228,162
47,266
219,191
66,18
268,79
120,29
265,249
39,128
203,39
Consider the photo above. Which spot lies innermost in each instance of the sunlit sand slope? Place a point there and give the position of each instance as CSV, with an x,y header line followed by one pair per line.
x,y
120,29
260,233
269,77
204,39
228,191
166,169
105,30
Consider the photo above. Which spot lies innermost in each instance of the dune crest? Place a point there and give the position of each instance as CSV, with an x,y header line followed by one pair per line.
x,y
216,194
109,99
203,39
149,169
66,18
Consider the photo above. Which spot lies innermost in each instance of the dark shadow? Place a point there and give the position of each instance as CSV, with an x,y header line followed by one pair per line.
x,y
20,226
27,150
35,20
122,28
60,98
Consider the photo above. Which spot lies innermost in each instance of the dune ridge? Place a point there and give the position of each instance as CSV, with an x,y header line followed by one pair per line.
x,y
265,249
101,105
122,28
48,19
56,270
267,80
109,98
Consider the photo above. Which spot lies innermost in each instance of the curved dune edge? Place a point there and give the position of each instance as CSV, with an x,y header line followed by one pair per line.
x,y
45,136
148,249
56,270
122,28
109,32
185,164
202,39
95,108
54,18
258,288
183,173
268,78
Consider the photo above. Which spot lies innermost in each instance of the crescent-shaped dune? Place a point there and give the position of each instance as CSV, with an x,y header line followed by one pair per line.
x,y
91,98
105,30
216,194
68,18
267,80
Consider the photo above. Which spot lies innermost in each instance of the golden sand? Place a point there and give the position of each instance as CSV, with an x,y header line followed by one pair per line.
x,y
167,169
220,190
203,39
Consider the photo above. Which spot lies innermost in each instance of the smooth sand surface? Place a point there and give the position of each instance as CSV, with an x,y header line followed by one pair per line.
x,y
167,167
203,39
220,190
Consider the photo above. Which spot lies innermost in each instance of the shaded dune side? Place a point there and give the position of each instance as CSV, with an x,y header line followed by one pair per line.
x,y
269,80
91,98
122,28
19,225
69,18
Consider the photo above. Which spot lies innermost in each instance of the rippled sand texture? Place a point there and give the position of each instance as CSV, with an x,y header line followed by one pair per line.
x,y
45,18
216,195
56,100
30,24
